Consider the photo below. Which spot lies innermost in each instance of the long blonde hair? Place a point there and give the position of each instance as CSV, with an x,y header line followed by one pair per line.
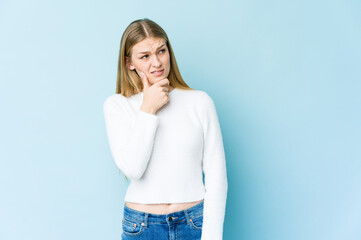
x,y
128,81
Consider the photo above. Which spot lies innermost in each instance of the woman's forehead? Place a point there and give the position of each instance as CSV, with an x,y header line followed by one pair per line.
x,y
148,44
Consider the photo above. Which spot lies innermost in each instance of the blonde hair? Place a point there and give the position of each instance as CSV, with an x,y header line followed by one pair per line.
x,y
128,81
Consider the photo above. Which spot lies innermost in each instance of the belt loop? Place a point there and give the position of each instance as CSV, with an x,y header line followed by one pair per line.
x,y
146,219
186,214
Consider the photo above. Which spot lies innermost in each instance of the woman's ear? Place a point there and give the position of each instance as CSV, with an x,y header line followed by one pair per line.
x,y
128,64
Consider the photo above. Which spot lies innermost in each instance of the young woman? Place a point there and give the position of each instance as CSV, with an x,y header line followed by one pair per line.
x,y
163,136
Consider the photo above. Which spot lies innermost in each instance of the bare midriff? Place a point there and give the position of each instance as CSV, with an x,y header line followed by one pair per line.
x,y
161,208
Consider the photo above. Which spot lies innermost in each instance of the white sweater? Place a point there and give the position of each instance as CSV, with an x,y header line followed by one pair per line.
x,y
163,154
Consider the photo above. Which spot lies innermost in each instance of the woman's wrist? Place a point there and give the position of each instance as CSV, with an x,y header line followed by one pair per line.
x,y
147,109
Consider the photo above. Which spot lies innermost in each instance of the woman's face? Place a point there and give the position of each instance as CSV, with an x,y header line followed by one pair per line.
x,y
151,55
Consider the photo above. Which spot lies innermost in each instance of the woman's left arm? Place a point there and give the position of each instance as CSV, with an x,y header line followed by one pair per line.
x,y
215,174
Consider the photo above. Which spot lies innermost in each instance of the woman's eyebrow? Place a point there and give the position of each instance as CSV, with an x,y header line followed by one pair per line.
x,y
148,51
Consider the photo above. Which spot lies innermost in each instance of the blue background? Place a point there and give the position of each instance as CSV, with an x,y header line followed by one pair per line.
x,y
285,78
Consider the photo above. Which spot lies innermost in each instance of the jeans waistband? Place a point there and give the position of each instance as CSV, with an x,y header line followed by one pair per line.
x,y
135,215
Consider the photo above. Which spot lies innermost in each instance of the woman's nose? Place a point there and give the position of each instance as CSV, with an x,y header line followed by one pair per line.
x,y
156,62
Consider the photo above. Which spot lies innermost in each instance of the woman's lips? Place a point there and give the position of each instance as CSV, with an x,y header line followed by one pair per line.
x,y
158,73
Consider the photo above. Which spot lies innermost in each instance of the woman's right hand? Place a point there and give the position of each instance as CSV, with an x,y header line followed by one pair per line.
x,y
154,96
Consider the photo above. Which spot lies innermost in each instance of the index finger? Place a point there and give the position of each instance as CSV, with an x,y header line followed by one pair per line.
x,y
162,82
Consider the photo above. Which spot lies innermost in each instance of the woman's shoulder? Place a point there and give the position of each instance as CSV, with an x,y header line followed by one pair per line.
x,y
196,93
202,98
114,99
117,101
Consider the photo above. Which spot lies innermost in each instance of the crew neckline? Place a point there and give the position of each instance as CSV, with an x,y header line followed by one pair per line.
x,y
170,93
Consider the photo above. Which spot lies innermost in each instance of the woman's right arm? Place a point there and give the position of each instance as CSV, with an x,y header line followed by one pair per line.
x,y
130,138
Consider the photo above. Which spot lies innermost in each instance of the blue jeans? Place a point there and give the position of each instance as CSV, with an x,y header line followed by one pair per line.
x,y
181,225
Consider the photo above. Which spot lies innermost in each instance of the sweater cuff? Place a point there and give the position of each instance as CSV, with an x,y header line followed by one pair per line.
x,y
147,113
148,118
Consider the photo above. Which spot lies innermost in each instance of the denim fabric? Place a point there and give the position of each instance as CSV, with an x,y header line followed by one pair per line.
x,y
181,225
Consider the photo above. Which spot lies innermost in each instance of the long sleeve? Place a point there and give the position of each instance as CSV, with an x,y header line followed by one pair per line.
x,y
130,135
215,174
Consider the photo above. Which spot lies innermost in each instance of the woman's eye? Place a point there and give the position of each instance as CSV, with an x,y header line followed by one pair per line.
x,y
147,55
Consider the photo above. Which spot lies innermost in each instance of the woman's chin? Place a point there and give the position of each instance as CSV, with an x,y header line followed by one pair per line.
x,y
157,79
